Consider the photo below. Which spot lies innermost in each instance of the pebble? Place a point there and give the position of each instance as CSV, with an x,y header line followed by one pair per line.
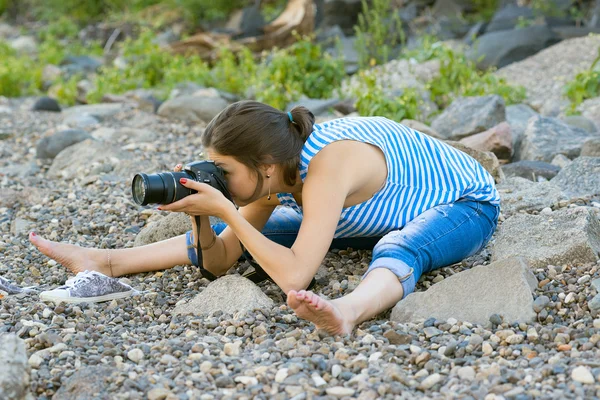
x,y
339,391
583,375
430,381
135,355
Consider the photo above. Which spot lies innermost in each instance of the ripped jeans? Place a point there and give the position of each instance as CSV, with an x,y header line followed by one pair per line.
x,y
441,236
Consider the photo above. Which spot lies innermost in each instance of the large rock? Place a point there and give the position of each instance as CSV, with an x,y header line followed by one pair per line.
x,y
86,383
517,116
532,170
508,17
174,224
580,122
85,158
581,178
545,74
501,48
192,109
504,287
498,140
590,109
470,115
545,137
14,373
229,294
50,146
99,111
487,159
566,236
517,194
591,147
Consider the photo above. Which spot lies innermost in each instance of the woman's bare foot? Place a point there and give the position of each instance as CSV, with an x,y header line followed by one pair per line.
x,y
74,258
323,313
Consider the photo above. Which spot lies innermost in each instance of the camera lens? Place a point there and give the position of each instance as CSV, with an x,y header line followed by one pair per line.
x,y
163,188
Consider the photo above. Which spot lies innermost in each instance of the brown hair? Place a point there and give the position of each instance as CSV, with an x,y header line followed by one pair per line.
x,y
256,134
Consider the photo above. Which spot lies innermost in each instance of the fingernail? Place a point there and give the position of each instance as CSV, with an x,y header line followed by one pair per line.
x,y
178,165
158,208
183,180
32,233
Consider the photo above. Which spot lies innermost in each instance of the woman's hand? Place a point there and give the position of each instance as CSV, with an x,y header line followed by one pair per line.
x,y
208,201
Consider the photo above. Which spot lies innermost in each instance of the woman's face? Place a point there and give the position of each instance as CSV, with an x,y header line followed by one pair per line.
x,y
241,181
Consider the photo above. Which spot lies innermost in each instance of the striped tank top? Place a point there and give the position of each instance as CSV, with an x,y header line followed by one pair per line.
x,y
422,173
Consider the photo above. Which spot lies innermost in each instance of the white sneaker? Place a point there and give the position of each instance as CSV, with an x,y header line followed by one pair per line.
x,y
88,287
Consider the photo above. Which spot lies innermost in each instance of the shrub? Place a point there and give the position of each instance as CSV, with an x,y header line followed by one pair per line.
x,y
19,75
372,101
378,32
585,85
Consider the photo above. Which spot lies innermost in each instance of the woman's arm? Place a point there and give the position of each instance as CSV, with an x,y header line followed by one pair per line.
x,y
323,197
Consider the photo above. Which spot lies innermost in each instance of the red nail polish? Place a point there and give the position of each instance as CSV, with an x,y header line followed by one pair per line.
x,y
183,180
32,233
158,208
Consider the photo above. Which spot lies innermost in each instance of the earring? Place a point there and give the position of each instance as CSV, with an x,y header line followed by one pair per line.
x,y
269,196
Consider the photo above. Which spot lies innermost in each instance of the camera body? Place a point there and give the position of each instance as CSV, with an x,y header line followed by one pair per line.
x,y
164,187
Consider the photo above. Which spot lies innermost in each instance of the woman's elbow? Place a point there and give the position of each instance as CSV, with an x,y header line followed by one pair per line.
x,y
297,285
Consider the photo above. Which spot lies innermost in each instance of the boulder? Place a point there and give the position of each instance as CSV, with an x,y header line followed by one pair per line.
x,y
14,372
99,111
50,146
504,287
80,121
520,194
46,103
316,106
517,116
581,178
467,116
591,147
501,48
229,294
421,127
174,224
192,109
545,74
567,236
546,137
497,140
86,383
487,159
508,17
532,170
590,109
578,121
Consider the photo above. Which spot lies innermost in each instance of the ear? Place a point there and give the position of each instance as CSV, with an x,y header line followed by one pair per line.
x,y
268,169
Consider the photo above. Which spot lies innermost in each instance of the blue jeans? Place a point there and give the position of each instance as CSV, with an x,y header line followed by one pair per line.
x,y
440,236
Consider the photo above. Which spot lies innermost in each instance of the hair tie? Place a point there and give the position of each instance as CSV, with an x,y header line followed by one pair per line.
x,y
290,117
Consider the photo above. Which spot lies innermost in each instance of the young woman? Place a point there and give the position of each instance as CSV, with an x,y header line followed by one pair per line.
x,y
425,205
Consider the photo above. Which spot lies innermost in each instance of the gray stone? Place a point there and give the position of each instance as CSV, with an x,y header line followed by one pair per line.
x,y
192,109
517,116
316,106
501,48
561,161
24,45
517,194
174,224
590,109
578,121
540,303
50,146
507,18
581,178
46,103
545,137
421,127
487,159
545,74
86,383
84,64
565,236
531,170
591,148
80,121
229,294
20,226
469,115
504,287
99,111
14,374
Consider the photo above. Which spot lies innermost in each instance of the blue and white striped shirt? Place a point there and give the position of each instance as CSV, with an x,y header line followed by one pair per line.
x,y
422,173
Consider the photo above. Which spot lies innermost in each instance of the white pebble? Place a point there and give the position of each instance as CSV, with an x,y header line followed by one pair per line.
x,y
47,313
487,348
430,381
71,196
281,375
35,360
339,391
246,380
570,297
318,380
336,370
205,366
135,355
466,373
597,323
546,211
582,374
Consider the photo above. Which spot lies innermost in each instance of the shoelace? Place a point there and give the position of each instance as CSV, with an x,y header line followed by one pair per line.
x,y
82,277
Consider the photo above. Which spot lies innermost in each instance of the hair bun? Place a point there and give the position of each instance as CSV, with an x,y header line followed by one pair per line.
x,y
302,121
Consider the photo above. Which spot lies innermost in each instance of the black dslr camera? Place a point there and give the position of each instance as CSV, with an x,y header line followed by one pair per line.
x,y
164,188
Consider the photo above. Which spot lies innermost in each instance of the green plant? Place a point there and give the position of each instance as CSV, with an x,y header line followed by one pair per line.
x,y
378,32
586,85
372,101
65,91
19,75
301,69
483,10
459,77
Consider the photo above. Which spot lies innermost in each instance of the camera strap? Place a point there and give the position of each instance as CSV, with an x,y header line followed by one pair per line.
x,y
205,273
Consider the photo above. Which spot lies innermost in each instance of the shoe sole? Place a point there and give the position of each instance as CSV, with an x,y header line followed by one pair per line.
x,y
74,300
